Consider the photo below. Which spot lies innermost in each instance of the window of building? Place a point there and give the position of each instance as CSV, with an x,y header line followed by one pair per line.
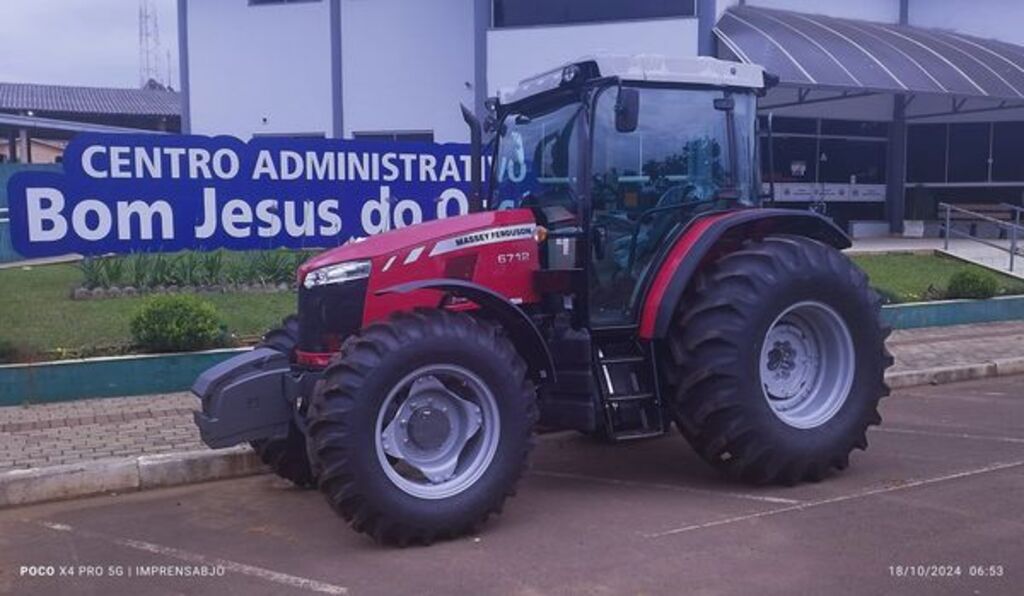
x,y
843,152
264,2
424,136
926,153
794,159
783,124
969,149
528,13
855,128
849,161
290,135
1008,152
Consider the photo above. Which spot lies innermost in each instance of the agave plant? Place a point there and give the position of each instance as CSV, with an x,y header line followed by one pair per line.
x,y
92,272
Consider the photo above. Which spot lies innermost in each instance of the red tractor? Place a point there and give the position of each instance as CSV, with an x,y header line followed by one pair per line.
x,y
617,275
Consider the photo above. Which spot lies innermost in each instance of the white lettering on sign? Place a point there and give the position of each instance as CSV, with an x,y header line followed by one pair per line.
x,y
45,222
92,219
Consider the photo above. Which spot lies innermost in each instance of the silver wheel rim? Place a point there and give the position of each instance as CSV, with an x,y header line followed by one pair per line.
x,y
807,364
437,431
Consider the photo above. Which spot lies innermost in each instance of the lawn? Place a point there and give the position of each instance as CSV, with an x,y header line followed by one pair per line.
x,y
37,317
913,277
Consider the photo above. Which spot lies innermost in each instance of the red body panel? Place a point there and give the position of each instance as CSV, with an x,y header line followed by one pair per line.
x,y
496,249
675,257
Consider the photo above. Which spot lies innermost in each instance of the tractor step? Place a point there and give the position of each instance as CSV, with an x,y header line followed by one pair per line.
x,y
628,389
630,397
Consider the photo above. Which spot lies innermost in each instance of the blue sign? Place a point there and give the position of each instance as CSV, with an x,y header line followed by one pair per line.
x,y
135,193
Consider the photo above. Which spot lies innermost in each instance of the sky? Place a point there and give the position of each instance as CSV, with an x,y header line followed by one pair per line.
x,y
81,42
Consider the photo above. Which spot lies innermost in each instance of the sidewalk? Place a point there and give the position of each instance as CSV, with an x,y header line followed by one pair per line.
x,y
75,432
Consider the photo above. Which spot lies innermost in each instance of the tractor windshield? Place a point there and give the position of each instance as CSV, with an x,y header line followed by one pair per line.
x,y
536,160
692,151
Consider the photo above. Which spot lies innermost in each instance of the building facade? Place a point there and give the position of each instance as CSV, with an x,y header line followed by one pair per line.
x,y
886,107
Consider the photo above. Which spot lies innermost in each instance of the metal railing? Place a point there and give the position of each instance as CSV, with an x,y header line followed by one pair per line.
x,y
1014,230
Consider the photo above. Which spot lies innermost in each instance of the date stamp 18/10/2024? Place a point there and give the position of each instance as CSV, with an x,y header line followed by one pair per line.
x,y
946,571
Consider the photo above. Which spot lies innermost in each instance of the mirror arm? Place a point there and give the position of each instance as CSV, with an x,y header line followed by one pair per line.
x,y
476,156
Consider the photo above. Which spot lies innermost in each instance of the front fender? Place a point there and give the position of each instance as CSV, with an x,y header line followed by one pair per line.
x,y
520,328
712,235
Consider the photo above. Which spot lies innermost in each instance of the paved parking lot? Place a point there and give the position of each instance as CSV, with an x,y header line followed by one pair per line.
x,y
942,485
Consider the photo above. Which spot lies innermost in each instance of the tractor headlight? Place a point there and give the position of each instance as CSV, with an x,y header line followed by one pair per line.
x,y
336,274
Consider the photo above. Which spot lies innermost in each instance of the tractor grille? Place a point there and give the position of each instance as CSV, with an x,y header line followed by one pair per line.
x,y
328,314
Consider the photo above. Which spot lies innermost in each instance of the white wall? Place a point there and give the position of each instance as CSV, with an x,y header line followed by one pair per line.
x,y
516,54
885,11
999,19
250,63
407,65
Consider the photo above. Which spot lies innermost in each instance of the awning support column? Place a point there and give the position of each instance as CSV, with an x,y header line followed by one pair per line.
x,y
25,155
896,177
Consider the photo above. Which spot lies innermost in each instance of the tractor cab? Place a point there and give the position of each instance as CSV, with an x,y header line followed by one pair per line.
x,y
616,155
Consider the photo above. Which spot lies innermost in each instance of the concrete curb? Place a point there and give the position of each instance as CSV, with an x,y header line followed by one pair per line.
x,y
25,487
951,374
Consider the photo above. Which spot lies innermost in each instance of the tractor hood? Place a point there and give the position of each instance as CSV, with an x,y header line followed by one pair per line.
x,y
424,236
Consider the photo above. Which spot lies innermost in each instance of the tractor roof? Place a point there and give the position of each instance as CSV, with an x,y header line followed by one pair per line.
x,y
643,67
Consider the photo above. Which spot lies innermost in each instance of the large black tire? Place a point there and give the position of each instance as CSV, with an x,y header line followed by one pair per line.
x,y
718,397
344,415
286,457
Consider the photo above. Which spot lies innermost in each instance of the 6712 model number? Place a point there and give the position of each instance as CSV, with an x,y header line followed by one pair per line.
x,y
506,258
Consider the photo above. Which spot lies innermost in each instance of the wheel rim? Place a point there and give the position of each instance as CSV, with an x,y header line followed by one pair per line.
x,y
807,364
437,431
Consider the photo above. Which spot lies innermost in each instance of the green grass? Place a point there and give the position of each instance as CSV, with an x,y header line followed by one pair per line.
x,y
38,317
914,278
39,320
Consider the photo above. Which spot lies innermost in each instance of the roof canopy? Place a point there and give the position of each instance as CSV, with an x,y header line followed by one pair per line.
x,y
89,100
35,123
817,51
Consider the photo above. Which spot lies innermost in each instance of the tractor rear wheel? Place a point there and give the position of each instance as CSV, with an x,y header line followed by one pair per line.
x,y
421,426
778,357
286,457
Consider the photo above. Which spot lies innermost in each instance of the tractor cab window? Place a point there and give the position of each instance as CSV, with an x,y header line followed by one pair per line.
x,y
648,182
536,160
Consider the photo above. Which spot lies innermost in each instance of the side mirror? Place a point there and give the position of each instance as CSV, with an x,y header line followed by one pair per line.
x,y
627,109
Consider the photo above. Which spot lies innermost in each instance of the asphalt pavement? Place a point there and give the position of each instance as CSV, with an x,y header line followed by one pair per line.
x,y
933,507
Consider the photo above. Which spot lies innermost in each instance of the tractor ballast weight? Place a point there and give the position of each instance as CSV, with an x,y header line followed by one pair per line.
x,y
620,278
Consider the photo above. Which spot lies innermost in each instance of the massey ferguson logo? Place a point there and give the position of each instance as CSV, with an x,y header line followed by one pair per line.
x,y
483,237
494,234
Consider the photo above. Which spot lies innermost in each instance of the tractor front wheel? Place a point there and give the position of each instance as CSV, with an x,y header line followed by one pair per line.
x,y
287,456
421,426
779,360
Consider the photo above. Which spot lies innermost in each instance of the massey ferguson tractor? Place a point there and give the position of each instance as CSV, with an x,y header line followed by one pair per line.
x,y
617,274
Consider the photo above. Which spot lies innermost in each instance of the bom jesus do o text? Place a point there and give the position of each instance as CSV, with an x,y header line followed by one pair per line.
x,y
126,193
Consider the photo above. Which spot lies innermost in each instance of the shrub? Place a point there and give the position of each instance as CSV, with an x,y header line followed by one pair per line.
x,y
177,323
969,283
8,351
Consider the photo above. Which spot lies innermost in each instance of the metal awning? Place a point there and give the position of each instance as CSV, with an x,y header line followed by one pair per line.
x,y
807,50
